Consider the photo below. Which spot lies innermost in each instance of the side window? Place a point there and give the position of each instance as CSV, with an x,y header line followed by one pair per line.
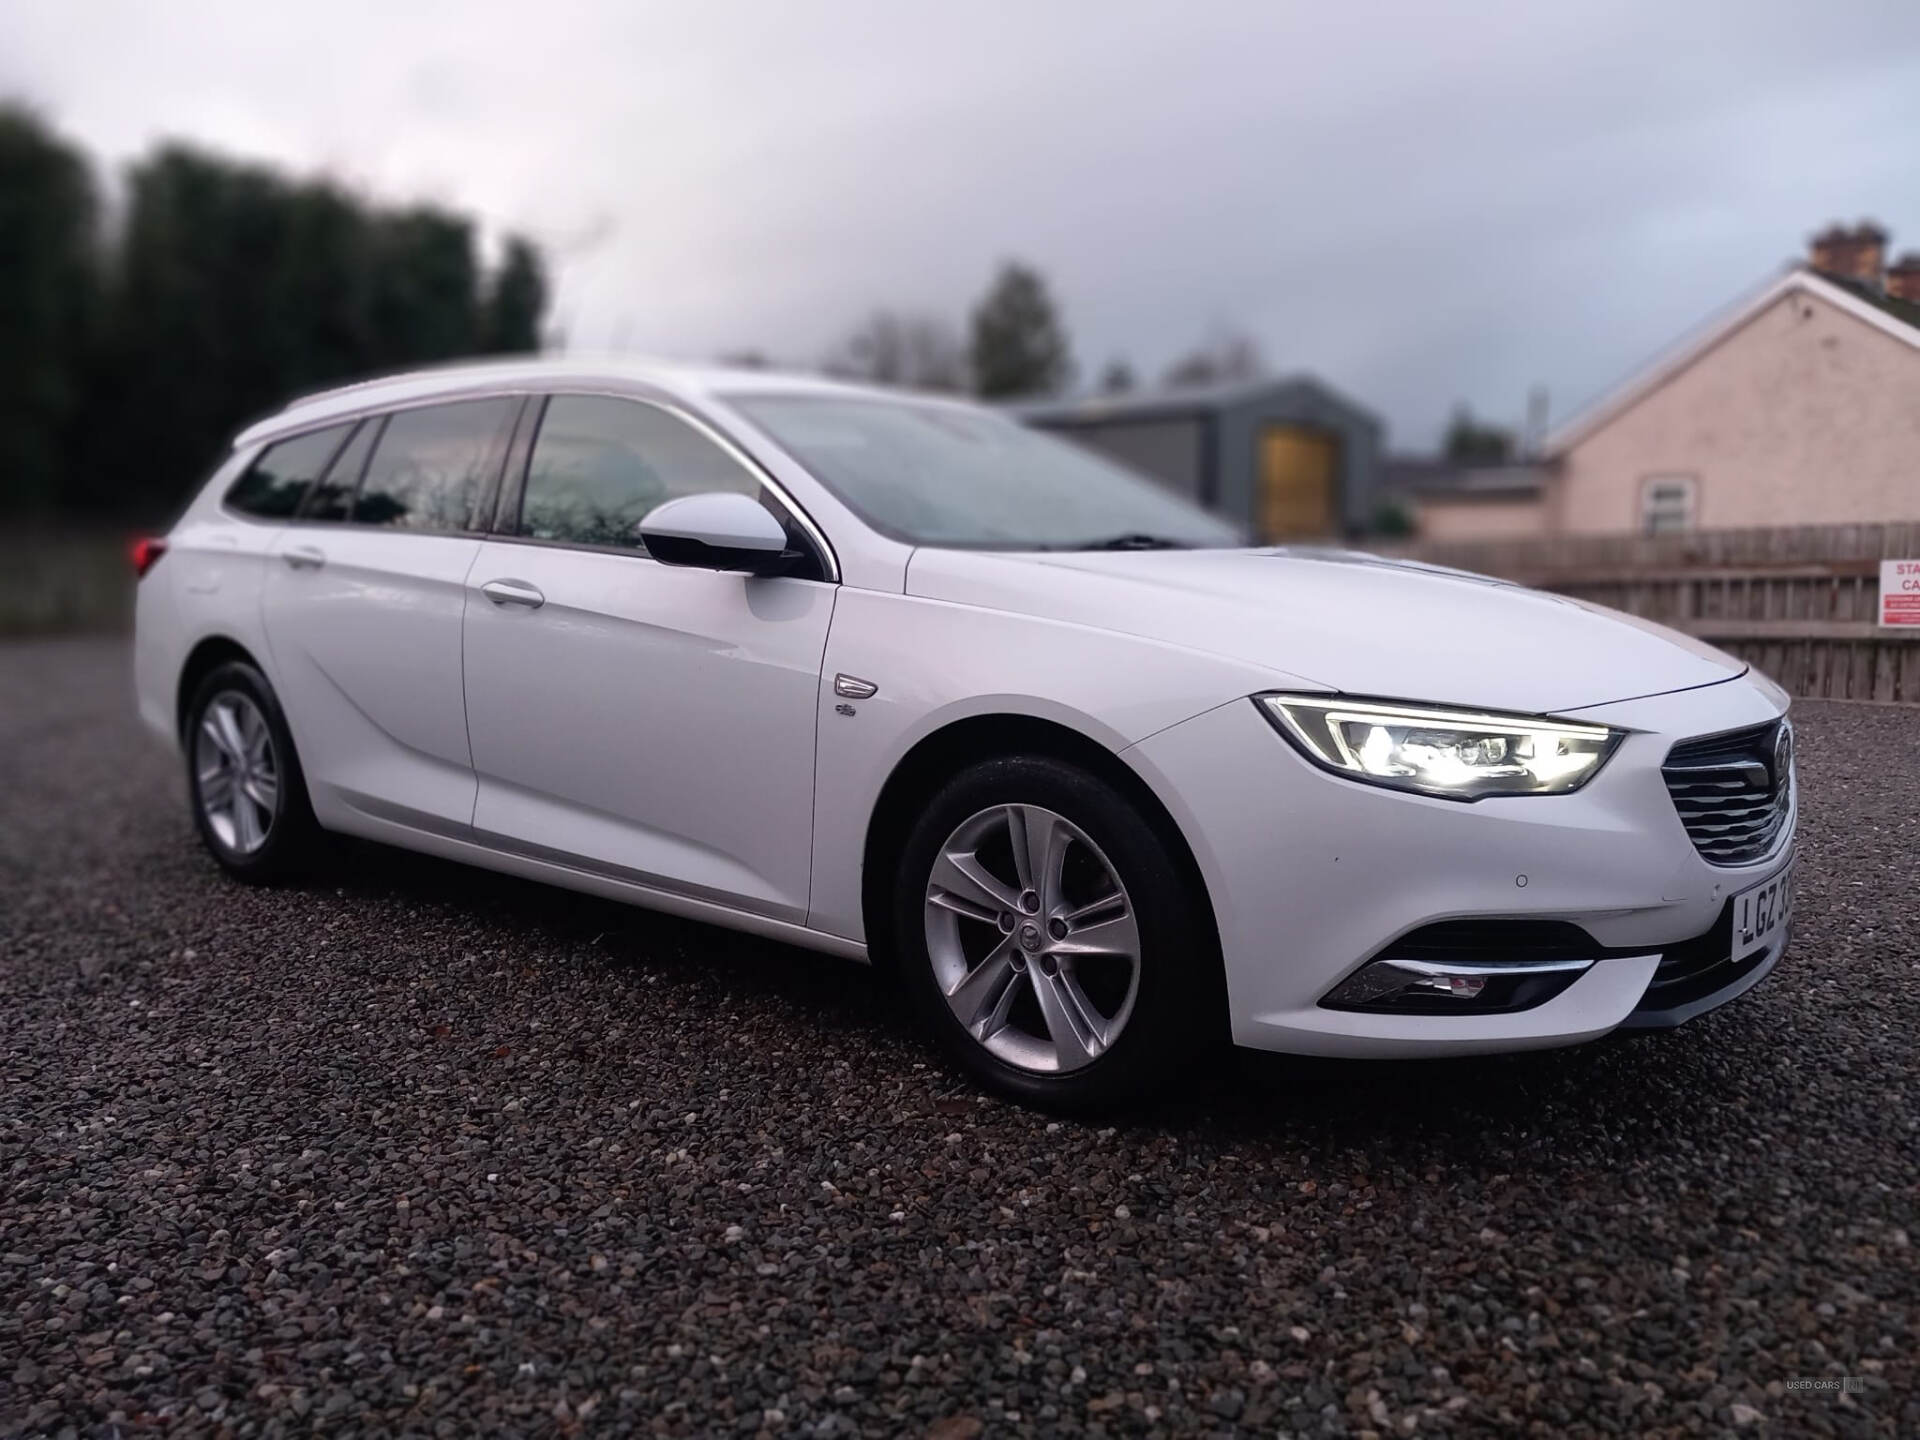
x,y
272,487
599,464
332,498
1667,504
430,466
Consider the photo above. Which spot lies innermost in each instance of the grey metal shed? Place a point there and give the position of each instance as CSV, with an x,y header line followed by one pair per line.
x,y
1289,458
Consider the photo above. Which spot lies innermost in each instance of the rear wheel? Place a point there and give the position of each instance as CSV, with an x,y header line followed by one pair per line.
x,y
1050,940
248,794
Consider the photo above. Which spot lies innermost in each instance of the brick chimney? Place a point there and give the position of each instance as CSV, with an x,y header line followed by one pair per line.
x,y
1903,278
1830,250
1859,254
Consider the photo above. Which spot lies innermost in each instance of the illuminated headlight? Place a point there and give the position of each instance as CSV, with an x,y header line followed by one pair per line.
x,y
1455,754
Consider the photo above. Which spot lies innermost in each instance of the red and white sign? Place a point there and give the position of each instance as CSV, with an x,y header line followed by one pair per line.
x,y
1900,593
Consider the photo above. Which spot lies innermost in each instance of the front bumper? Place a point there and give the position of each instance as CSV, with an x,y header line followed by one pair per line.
x,y
1312,876
1702,974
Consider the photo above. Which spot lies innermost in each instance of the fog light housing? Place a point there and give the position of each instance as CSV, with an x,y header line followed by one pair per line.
x,y
1454,986
1405,986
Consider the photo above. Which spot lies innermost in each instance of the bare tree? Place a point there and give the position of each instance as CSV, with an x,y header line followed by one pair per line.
x,y
1225,357
1474,442
921,352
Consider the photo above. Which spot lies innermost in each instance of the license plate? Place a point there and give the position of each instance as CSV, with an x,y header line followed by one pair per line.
x,y
1760,914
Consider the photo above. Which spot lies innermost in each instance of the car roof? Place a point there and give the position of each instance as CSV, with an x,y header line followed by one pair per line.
x,y
687,383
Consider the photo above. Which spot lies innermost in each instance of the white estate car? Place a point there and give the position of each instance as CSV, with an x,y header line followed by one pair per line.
x,y
891,676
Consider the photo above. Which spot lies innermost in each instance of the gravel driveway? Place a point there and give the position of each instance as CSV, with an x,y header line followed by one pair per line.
x,y
413,1147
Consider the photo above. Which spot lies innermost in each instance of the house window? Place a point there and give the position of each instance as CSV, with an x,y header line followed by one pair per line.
x,y
1667,503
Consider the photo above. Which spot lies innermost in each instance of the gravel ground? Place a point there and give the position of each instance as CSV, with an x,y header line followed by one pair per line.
x,y
417,1148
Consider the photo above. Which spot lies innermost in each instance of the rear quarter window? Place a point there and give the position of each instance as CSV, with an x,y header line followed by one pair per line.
x,y
331,497
274,484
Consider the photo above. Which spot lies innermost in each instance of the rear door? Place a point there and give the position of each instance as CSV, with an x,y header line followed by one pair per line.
x,y
650,722
362,607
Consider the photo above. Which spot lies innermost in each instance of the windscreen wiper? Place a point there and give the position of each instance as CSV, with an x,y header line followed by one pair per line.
x,y
1132,541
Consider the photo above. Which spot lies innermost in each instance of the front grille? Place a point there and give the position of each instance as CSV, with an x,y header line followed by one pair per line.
x,y
1733,791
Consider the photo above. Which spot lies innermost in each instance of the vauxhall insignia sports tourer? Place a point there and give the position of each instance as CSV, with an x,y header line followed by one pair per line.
x,y
894,677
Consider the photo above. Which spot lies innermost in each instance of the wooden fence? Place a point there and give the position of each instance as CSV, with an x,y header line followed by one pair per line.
x,y
1797,604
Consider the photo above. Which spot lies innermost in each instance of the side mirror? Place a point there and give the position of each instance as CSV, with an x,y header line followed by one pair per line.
x,y
724,530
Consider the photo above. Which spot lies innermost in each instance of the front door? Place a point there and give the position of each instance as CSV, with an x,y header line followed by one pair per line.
x,y
649,722
1297,483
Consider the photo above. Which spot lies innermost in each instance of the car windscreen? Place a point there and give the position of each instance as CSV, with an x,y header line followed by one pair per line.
x,y
950,475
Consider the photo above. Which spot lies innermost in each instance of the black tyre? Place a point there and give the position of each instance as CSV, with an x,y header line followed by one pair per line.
x,y
1049,939
244,782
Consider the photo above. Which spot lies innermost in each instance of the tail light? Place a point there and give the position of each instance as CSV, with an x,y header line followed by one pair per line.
x,y
144,552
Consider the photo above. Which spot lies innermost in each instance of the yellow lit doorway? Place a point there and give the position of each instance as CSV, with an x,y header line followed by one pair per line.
x,y
1298,469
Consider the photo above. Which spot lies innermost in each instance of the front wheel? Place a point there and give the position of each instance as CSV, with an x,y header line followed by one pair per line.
x,y
1050,940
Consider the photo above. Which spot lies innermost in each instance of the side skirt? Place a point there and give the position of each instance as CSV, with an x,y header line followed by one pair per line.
x,y
570,877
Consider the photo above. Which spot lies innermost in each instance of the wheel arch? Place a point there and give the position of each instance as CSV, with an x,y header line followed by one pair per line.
x,y
207,655
938,756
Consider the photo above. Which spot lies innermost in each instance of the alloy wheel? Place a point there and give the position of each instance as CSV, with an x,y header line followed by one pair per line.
x,y
236,773
1033,938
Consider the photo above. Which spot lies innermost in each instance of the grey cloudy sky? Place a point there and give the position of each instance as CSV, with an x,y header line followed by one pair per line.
x,y
1423,203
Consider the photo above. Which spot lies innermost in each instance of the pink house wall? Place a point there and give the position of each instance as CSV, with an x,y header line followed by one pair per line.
x,y
1805,415
1451,518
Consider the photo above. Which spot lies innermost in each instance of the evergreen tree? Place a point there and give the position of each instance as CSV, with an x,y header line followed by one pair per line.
x,y
235,289
516,299
126,365
48,289
1019,345
425,291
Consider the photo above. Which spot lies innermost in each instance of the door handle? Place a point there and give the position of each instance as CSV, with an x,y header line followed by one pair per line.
x,y
513,592
304,557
